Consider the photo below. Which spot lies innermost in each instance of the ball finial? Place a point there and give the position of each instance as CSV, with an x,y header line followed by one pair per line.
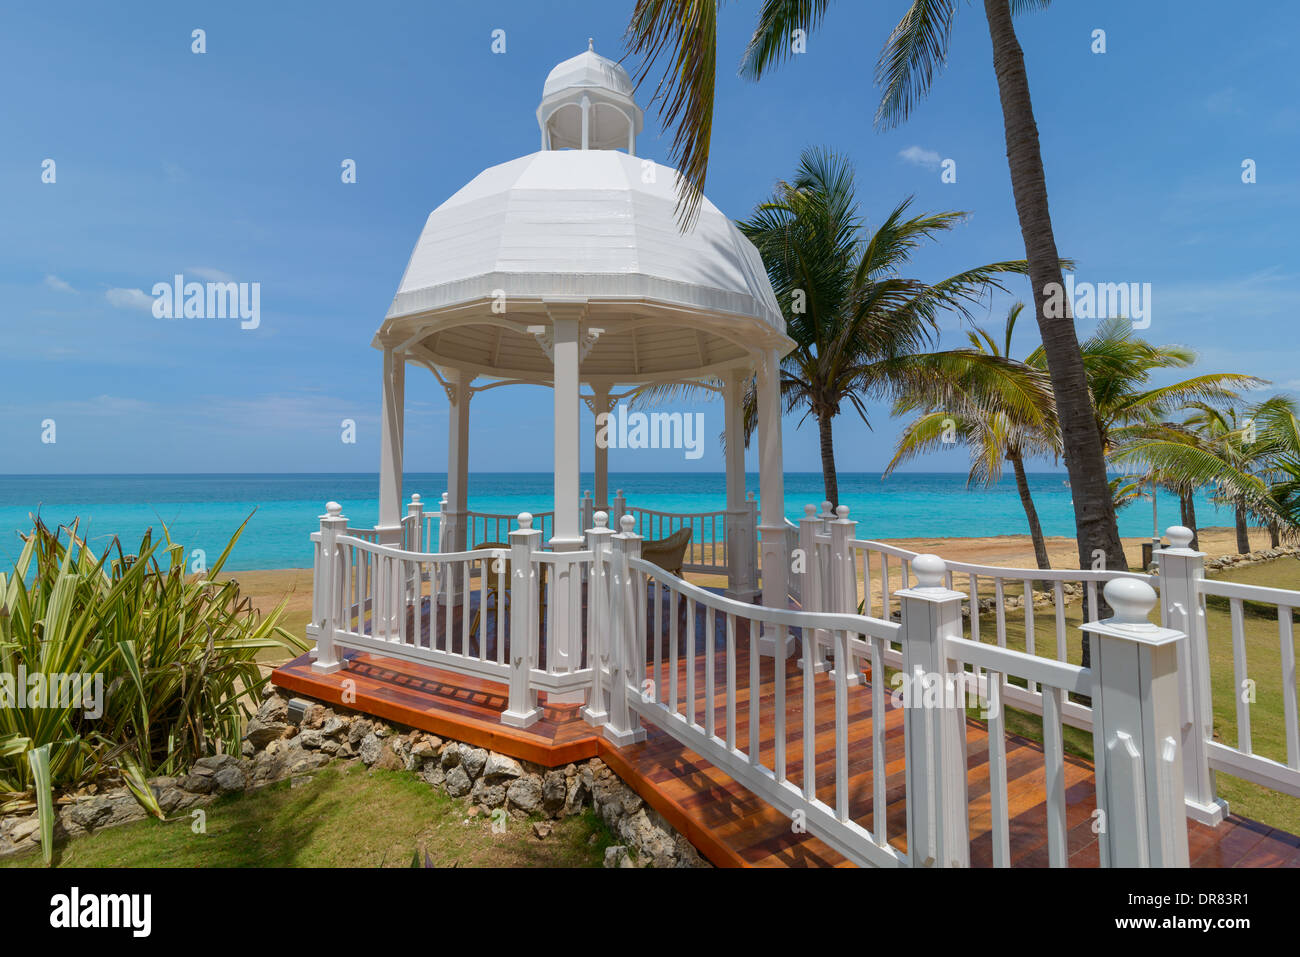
x,y
602,519
333,509
810,510
525,521
415,498
929,571
1131,599
628,522
843,512
1179,536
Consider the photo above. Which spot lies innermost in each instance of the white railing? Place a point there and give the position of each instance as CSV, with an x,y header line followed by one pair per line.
x,y
602,625
1249,686
707,552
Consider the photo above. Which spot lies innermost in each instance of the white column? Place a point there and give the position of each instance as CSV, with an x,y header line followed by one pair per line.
x,y
771,481
1180,569
392,417
741,536
586,119
1135,733
600,403
934,738
459,394
567,535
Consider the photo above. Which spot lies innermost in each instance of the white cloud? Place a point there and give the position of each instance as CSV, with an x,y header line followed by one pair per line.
x,y
129,299
58,285
918,156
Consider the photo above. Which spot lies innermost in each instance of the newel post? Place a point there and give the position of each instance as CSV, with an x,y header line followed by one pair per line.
x,y
619,509
1136,731
443,532
934,720
415,517
522,710
600,541
586,510
330,579
627,625
1181,569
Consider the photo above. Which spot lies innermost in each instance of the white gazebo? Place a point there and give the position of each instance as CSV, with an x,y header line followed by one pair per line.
x,y
567,267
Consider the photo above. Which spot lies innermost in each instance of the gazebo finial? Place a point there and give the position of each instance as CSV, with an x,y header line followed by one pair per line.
x,y
591,44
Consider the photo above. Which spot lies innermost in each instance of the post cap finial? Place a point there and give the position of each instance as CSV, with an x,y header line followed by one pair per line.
x,y
749,496
415,498
628,522
843,512
826,506
1179,536
525,521
333,509
1131,599
601,519
443,500
929,571
810,510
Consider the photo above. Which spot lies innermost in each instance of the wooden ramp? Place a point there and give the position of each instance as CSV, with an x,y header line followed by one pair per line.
x,y
731,826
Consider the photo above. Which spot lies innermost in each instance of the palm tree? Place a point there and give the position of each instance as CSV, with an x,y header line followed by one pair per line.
x,y
995,434
1250,458
860,327
915,52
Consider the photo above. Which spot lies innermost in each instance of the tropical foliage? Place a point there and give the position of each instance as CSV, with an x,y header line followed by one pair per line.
x,y
121,666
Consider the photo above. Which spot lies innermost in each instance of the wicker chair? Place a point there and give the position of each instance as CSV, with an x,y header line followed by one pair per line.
x,y
668,553
493,590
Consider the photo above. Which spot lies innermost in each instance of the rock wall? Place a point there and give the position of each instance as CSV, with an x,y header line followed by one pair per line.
x,y
276,749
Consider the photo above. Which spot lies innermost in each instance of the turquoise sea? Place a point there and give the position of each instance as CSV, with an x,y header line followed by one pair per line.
x,y
202,511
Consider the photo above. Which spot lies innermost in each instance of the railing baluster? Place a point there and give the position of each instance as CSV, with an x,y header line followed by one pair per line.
x,y
840,642
689,638
1054,772
1058,595
710,679
483,572
879,775
1239,674
659,642
778,681
1290,713
673,657
755,699
503,585
997,741
1000,605
1029,628
731,682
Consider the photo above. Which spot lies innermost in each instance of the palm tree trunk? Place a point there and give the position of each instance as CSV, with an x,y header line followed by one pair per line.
x,y
828,459
1187,506
1031,513
1094,513
1243,533
1274,535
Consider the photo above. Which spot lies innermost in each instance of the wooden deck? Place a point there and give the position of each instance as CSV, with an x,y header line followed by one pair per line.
x,y
731,826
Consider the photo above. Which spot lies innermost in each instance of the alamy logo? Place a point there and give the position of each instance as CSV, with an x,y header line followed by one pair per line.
x,y
211,300
622,429
1102,300
73,910
56,690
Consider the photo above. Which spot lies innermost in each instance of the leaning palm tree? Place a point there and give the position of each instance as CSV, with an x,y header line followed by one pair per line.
x,y
685,32
1251,458
994,434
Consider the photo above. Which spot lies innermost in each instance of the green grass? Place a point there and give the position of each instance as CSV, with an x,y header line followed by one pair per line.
x,y
1263,657
342,816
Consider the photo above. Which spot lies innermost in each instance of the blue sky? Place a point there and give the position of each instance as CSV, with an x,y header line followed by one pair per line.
x,y
227,164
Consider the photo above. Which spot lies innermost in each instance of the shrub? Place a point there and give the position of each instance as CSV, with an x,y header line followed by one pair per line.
x,y
176,656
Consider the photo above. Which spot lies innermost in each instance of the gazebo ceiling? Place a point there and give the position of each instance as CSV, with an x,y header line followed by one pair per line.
x,y
594,231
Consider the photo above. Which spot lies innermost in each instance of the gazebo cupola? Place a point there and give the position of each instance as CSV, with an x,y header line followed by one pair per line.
x,y
588,103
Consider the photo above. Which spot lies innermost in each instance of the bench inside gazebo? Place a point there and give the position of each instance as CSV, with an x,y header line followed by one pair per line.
x,y
736,710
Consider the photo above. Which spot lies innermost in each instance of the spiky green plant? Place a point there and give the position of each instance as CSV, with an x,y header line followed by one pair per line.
x,y
176,655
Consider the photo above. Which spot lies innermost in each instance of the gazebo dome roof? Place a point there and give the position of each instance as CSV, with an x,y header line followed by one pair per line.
x,y
593,227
